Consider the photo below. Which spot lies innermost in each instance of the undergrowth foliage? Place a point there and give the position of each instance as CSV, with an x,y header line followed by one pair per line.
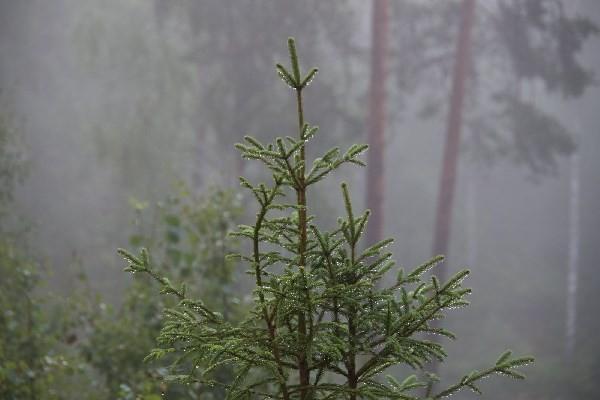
x,y
323,324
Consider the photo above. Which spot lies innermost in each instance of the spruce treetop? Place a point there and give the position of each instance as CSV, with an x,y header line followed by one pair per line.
x,y
324,324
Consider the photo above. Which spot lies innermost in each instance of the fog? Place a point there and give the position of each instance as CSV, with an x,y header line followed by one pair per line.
x,y
115,102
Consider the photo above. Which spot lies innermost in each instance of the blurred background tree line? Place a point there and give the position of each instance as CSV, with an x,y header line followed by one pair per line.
x,y
107,108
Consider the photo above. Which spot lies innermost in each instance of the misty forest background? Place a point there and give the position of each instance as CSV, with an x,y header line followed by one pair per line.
x,y
117,125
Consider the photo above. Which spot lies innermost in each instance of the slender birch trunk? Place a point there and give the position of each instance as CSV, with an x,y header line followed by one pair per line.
x,y
573,260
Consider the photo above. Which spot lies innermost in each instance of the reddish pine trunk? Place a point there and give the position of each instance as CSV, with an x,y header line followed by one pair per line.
x,y
453,128
376,127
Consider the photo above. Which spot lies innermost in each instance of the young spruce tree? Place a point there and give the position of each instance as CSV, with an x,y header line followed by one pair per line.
x,y
323,325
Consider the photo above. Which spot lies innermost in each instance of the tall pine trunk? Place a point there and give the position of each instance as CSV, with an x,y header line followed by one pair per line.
x,y
451,150
472,182
377,120
453,128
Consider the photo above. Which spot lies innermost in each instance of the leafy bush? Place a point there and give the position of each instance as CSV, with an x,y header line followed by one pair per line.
x,y
188,235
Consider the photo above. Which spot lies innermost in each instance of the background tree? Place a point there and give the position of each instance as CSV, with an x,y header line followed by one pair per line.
x,y
37,359
246,36
542,40
453,129
377,117
573,259
188,233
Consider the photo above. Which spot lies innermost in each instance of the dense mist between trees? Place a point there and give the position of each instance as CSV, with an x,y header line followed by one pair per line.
x,y
118,121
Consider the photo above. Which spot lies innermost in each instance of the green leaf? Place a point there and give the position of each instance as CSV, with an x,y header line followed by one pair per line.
x,y
172,236
172,220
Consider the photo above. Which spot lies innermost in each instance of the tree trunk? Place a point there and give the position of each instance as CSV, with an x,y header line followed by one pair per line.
x,y
454,124
471,202
573,261
453,128
377,119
